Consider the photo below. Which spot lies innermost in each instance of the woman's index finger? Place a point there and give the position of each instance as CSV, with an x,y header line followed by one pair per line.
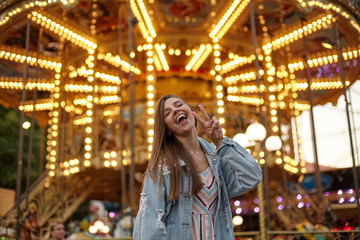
x,y
206,116
200,120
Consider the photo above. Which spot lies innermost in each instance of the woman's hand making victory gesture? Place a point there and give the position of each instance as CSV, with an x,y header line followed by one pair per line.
x,y
212,126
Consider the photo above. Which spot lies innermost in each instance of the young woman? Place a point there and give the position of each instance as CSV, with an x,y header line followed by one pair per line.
x,y
188,181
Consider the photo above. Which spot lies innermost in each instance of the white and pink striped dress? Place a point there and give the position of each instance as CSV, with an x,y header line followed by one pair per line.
x,y
203,209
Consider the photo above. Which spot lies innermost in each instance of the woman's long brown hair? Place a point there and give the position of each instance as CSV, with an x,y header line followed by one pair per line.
x,y
167,151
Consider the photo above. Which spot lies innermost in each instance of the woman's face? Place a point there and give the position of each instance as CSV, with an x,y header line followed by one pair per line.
x,y
177,116
58,232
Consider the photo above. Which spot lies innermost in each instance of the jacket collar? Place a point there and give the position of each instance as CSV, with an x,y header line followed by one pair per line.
x,y
207,147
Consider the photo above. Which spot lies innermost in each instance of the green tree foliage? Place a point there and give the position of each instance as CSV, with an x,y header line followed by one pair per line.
x,y
9,138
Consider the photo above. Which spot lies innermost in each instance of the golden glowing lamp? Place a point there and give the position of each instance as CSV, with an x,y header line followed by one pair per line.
x,y
26,125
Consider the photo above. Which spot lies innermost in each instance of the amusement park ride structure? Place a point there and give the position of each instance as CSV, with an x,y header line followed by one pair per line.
x,y
93,70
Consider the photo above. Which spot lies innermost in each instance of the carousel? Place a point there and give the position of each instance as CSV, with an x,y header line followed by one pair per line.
x,y
89,72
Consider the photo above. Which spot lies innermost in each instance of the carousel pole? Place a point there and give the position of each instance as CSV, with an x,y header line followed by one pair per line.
x,y
123,170
33,118
260,189
132,21
342,74
62,121
312,125
354,130
283,173
21,134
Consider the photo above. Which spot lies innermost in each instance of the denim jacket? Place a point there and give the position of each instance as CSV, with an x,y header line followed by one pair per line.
x,y
235,171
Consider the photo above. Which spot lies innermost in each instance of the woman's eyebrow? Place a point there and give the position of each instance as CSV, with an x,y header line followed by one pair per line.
x,y
176,102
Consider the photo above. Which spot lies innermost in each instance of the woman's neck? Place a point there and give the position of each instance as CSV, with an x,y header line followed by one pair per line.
x,y
190,142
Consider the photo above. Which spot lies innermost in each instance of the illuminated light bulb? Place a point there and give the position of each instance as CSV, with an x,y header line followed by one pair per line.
x,y
150,68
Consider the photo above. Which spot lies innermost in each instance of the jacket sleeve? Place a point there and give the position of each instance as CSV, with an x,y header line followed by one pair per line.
x,y
148,223
240,170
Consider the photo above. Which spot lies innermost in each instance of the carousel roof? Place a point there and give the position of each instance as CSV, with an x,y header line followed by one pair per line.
x,y
179,29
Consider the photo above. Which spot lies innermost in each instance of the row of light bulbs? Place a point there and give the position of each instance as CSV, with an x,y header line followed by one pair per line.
x,y
71,166
46,106
16,83
89,88
299,85
226,21
272,102
111,159
89,127
157,63
116,61
53,131
348,54
63,30
338,9
285,39
84,72
237,61
25,6
201,54
219,89
320,84
256,101
171,51
151,95
298,33
9,53
110,99
243,77
146,27
161,57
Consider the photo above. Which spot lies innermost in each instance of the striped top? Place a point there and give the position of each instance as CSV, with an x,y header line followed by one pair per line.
x,y
203,208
